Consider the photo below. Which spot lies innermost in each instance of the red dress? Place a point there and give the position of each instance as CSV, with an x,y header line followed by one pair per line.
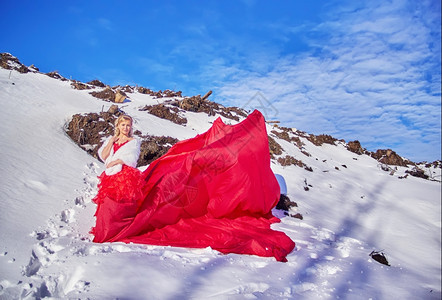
x,y
123,188
215,190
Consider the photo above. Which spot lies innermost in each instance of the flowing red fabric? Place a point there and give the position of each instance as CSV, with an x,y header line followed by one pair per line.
x,y
216,190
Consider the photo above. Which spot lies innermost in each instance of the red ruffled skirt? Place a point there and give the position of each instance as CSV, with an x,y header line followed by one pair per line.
x,y
118,190
123,187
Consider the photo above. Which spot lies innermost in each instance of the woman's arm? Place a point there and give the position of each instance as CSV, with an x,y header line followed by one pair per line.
x,y
128,154
115,162
107,149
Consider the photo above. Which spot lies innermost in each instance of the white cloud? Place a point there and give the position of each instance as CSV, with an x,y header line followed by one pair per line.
x,y
370,80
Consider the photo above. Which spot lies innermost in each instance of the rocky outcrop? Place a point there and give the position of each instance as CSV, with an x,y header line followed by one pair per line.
x,y
159,94
379,257
80,85
10,62
119,93
318,140
286,204
96,83
153,147
355,147
108,94
417,172
275,148
33,68
290,160
146,91
89,130
120,96
288,135
165,112
195,104
435,164
389,157
126,88
201,104
56,75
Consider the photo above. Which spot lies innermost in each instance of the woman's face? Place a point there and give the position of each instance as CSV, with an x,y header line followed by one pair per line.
x,y
125,127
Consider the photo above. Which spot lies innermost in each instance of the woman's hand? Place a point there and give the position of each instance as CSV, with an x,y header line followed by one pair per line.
x,y
114,139
107,150
114,163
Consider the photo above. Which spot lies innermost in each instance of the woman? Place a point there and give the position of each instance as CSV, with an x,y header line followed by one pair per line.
x,y
121,182
215,190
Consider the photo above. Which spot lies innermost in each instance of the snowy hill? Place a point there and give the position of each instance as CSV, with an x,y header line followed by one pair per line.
x,y
351,205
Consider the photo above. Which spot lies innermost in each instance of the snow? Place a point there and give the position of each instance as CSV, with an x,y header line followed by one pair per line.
x,y
47,183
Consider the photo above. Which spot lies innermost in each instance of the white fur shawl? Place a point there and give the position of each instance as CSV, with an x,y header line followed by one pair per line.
x,y
128,153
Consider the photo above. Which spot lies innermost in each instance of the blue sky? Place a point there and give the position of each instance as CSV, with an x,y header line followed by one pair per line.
x,y
365,70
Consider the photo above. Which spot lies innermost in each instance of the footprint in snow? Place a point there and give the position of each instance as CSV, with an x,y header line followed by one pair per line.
x,y
67,216
344,245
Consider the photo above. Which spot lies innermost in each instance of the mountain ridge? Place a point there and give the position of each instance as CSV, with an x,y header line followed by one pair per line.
x,y
168,109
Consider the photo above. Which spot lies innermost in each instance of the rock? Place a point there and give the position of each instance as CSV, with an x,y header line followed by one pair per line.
x,y
165,112
190,104
170,94
318,140
144,90
355,147
127,89
107,94
389,157
55,75
287,160
10,62
310,169
89,130
120,96
297,216
434,164
113,109
285,135
198,104
275,148
306,153
96,82
290,160
34,68
159,94
416,172
379,257
79,85
153,147
285,203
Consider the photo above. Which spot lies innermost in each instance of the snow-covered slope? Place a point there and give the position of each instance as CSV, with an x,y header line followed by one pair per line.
x,y
351,207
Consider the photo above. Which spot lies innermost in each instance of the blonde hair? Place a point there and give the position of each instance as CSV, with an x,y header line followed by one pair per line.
x,y
121,119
